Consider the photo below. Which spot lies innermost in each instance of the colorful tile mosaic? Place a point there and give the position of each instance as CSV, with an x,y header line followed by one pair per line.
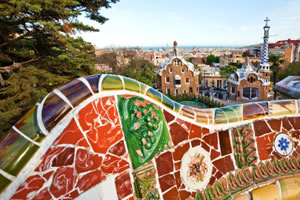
x,y
143,145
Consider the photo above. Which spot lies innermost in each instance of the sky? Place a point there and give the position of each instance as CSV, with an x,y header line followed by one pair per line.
x,y
194,23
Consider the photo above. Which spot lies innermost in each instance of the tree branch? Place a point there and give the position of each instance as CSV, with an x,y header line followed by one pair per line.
x,y
17,65
16,38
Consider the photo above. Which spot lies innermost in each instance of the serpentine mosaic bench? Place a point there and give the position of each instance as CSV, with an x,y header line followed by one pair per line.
x,y
111,137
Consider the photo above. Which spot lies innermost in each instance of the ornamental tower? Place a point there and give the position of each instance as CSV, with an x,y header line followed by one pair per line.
x,y
264,64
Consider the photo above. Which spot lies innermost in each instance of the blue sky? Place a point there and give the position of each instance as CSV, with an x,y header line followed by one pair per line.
x,y
195,22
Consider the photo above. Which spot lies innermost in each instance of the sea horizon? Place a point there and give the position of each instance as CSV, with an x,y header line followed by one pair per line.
x,y
171,47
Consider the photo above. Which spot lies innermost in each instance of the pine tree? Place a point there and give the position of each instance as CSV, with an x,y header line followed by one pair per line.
x,y
39,52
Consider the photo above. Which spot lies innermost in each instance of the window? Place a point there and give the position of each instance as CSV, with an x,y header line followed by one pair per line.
x,y
184,91
176,63
182,70
191,90
177,82
167,79
176,91
187,80
170,70
168,91
250,92
232,89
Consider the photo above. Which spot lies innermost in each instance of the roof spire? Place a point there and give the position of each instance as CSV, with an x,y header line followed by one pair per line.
x,y
175,48
264,55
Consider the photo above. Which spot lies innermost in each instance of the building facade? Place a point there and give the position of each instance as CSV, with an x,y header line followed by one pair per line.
x,y
177,76
252,83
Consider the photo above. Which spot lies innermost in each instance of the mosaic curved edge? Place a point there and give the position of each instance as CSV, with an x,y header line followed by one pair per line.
x,y
233,136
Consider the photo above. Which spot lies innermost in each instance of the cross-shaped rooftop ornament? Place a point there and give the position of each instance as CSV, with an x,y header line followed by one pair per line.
x,y
267,20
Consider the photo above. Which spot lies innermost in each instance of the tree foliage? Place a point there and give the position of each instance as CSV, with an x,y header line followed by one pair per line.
x,y
212,59
227,70
139,69
38,51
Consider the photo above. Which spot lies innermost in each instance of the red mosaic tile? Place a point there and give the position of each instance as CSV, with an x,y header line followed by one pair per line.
x,y
171,194
186,125
205,146
275,124
89,180
214,170
261,127
177,178
71,135
123,185
166,182
295,122
195,143
177,165
218,175
48,157
180,151
131,198
184,194
63,181
224,164
178,133
225,144
86,161
48,175
212,140
113,164
118,149
43,195
64,158
286,124
214,154
264,145
195,132
101,121
296,135
168,116
212,180
71,195
164,163
205,131
29,188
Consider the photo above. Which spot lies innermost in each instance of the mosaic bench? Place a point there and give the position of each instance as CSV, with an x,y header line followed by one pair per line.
x,y
112,137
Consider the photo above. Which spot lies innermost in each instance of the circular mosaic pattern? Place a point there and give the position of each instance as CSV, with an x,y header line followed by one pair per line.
x,y
282,144
196,168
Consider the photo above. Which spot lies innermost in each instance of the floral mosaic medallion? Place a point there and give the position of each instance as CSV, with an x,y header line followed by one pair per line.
x,y
196,168
145,129
282,144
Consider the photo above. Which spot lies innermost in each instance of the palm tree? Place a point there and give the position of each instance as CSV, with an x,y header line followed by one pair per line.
x,y
275,61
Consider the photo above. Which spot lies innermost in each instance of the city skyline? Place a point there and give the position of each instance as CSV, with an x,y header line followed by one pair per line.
x,y
140,23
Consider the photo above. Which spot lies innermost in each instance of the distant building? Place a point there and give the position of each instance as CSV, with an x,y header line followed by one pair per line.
x,y
252,83
237,58
211,78
289,49
177,76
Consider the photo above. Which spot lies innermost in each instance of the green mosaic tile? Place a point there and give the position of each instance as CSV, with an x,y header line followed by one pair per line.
x,y
154,94
131,84
168,102
228,114
4,182
28,126
16,151
177,106
144,128
144,87
112,82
